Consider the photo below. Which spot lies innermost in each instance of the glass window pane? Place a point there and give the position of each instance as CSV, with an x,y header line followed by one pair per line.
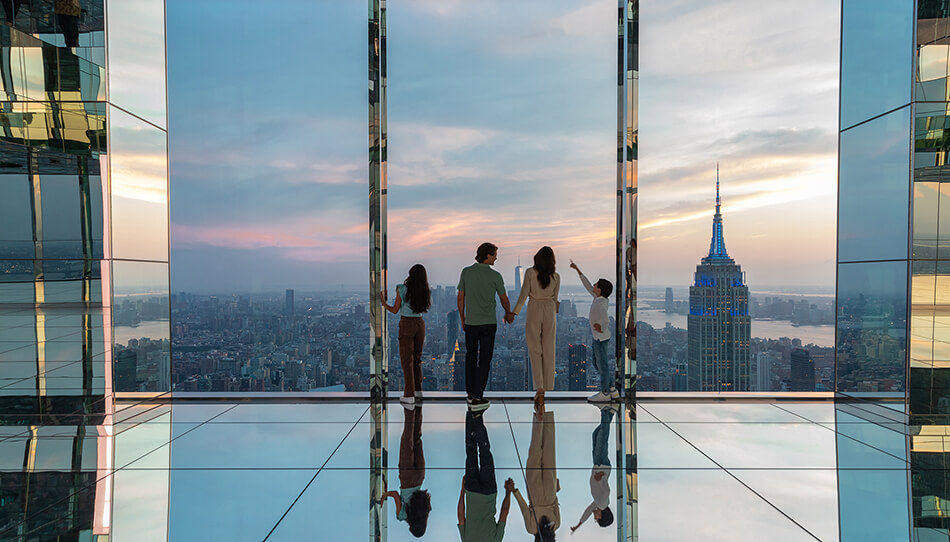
x,y
873,189
876,55
926,198
943,226
140,314
872,333
16,218
269,178
137,58
515,146
61,227
139,180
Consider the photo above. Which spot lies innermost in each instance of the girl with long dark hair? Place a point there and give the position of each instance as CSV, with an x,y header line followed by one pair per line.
x,y
413,298
541,285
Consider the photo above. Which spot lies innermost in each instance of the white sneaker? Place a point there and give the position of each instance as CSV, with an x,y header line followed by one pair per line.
x,y
418,395
408,402
614,394
599,397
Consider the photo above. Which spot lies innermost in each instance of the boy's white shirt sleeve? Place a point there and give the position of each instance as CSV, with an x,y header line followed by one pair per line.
x,y
586,283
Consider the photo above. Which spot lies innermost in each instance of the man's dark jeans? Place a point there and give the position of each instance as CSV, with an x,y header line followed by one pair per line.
x,y
479,347
479,463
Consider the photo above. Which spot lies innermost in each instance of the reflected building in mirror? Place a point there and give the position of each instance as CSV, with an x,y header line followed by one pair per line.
x,y
719,324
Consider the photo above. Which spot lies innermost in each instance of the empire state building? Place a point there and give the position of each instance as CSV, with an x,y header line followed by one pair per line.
x,y
719,323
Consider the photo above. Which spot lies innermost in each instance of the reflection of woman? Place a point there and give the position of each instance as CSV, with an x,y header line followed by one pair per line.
x,y
413,298
541,285
542,516
600,474
412,502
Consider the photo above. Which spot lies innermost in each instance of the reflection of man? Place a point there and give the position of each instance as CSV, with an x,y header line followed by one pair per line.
x,y
600,474
542,516
477,287
476,510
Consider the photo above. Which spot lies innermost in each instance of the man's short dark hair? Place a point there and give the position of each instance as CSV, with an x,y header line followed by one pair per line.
x,y
606,517
484,251
605,287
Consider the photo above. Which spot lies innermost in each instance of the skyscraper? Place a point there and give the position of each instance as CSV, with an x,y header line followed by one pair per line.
x,y
519,274
669,300
719,325
803,370
289,302
763,371
577,375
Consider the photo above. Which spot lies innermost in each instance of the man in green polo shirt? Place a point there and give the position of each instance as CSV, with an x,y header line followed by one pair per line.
x,y
479,493
478,285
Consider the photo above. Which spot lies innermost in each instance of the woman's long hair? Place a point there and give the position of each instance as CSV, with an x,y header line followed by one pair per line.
x,y
545,530
417,289
417,512
544,265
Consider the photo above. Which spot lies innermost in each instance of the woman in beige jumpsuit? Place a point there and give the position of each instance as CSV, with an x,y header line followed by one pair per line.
x,y
541,285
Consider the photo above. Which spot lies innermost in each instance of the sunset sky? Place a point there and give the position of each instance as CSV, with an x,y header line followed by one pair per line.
x,y
502,127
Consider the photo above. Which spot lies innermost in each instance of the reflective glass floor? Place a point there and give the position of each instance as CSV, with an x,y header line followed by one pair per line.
x,y
768,470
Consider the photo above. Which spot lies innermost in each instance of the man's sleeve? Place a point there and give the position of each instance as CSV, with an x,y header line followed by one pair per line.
x,y
461,286
500,284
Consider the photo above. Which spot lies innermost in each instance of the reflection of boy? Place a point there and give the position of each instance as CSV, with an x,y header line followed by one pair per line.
x,y
600,329
476,509
600,475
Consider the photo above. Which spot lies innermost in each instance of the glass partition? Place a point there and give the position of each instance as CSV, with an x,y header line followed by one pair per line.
x,y
503,124
876,58
267,110
737,197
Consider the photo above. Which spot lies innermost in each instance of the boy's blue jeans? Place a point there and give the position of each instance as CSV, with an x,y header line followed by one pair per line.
x,y
600,436
603,365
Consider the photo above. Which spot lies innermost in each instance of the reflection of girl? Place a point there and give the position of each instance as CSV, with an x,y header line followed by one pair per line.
x,y
542,516
541,285
412,299
412,502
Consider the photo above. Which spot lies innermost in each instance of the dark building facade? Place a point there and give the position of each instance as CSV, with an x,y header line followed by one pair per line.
x,y
719,325
577,380
803,370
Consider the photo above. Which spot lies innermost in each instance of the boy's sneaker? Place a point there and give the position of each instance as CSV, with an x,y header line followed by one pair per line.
x,y
599,397
607,407
408,402
479,405
469,400
418,395
614,394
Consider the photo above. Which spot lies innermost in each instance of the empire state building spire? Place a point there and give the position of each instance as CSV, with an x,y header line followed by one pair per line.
x,y
717,246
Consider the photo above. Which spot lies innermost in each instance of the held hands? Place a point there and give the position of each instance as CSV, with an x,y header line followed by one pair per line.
x,y
510,486
509,317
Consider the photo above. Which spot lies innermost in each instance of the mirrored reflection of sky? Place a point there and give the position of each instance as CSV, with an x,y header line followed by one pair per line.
x,y
501,127
772,455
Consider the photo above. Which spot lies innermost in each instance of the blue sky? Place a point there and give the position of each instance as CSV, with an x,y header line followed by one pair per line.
x,y
502,127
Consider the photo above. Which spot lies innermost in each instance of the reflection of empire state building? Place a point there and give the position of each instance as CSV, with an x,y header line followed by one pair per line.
x,y
719,322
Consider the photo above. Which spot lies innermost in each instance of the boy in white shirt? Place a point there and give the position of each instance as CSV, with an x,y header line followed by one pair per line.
x,y
600,328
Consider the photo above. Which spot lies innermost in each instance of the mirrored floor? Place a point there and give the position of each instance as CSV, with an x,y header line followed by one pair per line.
x,y
304,471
